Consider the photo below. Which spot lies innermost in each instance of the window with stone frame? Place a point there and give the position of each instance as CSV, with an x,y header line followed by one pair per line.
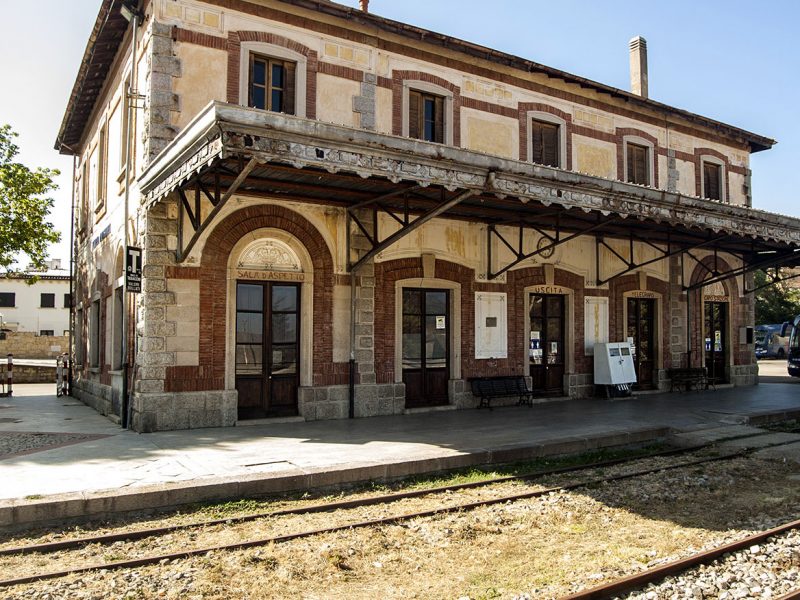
x,y
638,164
94,334
712,181
426,119
272,84
80,349
545,143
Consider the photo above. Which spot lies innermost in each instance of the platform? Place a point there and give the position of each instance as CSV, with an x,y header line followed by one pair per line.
x,y
60,459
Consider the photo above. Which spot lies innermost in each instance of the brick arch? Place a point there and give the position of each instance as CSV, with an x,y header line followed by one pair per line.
x,y
213,297
698,170
620,134
399,76
523,108
518,280
234,46
616,323
387,274
736,308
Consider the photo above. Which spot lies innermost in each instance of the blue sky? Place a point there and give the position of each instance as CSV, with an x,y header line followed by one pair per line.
x,y
733,61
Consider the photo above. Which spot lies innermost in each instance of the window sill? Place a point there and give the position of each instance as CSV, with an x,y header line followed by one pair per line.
x,y
95,370
116,372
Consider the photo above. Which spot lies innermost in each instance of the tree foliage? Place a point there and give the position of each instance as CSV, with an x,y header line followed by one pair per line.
x,y
24,207
776,303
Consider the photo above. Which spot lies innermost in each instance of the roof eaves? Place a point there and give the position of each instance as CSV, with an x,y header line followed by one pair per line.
x,y
755,141
91,75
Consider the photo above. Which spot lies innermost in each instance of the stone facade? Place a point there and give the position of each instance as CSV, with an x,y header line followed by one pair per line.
x,y
200,157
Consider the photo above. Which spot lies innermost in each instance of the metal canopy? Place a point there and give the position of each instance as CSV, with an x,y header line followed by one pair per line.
x,y
308,161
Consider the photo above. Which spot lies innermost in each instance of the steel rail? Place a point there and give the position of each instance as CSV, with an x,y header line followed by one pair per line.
x,y
346,504
331,506
639,580
148,560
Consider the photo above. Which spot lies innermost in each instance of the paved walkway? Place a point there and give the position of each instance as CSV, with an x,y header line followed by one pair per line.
x,y
81,454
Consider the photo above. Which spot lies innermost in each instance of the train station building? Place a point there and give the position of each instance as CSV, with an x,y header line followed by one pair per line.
x,y
341,215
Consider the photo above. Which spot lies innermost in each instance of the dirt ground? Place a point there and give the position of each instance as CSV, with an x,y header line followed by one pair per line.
x,y
535,548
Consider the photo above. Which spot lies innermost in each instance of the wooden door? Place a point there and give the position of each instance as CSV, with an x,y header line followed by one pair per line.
x,y
641,327
716,340
267,348
547,347
426,346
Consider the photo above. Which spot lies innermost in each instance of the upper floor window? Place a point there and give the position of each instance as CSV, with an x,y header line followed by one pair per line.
x,y
7,299
67,301
46,332
272,77
638,161
48,301
545,146
426,116
427,112
712,179
272,84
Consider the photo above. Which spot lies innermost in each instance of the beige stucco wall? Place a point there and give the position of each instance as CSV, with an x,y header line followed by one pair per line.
x,y
335,100
492,134
203,78
594,157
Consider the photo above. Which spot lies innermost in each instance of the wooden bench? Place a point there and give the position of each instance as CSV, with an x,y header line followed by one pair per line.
x,y
487,388
688,377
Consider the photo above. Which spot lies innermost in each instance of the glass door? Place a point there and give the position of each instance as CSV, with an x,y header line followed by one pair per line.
x,y
426,346
546,350
267,348
641,327
716,340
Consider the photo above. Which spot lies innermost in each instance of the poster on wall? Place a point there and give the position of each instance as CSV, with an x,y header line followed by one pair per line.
x,y
491,330
595,322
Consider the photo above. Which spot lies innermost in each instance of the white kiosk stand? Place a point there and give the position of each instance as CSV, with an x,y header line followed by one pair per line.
x,y
613,368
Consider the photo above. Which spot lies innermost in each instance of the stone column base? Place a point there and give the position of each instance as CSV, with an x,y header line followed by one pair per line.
x,y
184,410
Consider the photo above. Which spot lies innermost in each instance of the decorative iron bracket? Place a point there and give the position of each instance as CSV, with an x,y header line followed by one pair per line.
x,y
407,225
193,208
631,265
774,278
546,249
717,276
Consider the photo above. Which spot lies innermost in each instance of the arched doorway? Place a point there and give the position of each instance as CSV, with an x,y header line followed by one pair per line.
x,y
267,276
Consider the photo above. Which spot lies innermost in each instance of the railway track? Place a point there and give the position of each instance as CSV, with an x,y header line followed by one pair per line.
x,y
639,581
382,500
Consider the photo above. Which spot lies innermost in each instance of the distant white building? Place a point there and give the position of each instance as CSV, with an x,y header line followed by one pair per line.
x,y
42,307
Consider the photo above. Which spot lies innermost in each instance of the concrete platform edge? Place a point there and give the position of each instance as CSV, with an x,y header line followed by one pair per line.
x,y
21,513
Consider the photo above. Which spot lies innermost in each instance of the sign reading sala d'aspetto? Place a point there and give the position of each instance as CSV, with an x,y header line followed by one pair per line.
x,y
133,269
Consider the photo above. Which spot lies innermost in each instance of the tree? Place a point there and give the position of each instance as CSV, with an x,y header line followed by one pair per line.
x,y
24,206
775,303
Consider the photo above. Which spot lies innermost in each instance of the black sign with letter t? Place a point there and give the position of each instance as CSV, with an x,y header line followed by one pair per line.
x,y
133,269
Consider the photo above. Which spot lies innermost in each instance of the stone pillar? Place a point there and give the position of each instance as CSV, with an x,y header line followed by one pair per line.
x,y
160,101
365,103
675,303
152,359
673,175
370,398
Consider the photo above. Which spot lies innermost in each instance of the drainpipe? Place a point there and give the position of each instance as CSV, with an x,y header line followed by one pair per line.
x,y
71,277
125,408
352,380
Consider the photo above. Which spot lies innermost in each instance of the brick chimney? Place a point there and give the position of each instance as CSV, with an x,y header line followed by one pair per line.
x,y
364,5
638,47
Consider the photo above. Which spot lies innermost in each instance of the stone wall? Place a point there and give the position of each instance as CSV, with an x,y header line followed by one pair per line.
x,y
29,345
